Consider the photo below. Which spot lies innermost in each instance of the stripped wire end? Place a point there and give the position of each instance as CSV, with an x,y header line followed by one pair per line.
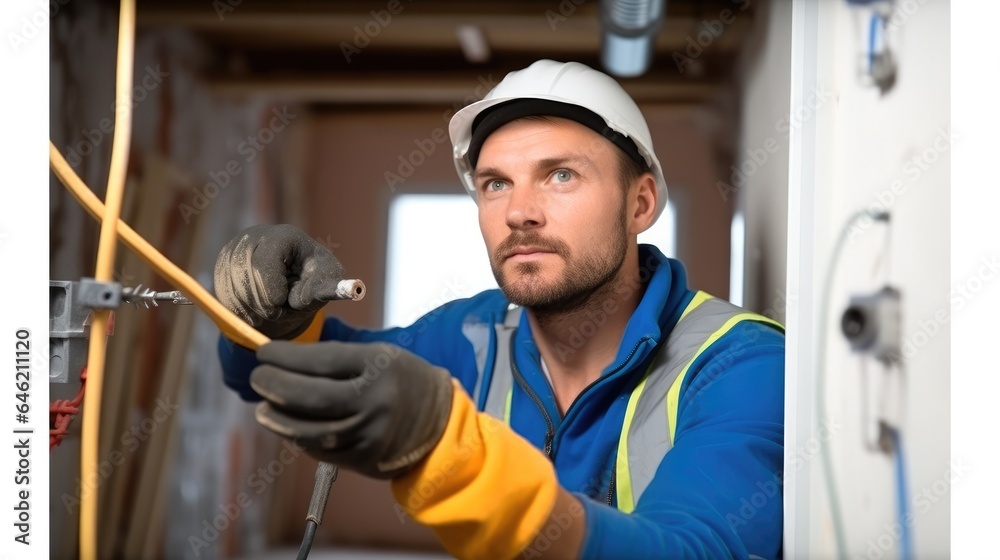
x,y
147,297
351,289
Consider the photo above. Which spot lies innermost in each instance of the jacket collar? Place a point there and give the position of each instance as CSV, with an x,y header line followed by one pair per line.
x,y
664,282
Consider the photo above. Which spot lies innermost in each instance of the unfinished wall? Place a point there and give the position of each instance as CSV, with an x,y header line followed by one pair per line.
x,y
869,151
176,446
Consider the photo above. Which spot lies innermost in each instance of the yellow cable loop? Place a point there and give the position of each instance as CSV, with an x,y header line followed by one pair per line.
x,y
231,325
228,322
113,229
104,273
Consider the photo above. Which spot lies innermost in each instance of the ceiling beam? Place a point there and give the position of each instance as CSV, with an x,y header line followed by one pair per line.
x,y
442,90
509,27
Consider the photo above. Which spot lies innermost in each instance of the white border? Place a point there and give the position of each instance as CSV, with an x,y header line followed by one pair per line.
x,y
24,250
975,202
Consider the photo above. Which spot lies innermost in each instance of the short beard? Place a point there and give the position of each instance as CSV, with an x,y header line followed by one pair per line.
x,y
593,279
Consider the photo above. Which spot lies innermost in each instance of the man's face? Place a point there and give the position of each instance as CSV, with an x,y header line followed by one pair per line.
x,y
552,212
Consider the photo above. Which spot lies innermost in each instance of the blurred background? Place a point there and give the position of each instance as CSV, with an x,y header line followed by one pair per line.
x,y
774,124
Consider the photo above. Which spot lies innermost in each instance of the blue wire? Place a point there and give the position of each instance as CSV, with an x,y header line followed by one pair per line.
x,y
872,29
905,542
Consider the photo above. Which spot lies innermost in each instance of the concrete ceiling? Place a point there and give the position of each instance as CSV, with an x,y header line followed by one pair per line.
x,y
361,53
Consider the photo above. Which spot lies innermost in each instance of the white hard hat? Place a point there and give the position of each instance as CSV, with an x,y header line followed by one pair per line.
x,y
562,88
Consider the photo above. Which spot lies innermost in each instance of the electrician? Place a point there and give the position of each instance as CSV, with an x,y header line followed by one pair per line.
x,y
594,406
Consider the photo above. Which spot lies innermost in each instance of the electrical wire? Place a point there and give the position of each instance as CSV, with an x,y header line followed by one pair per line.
x,y
902,509
112,230
228,322
873,27
231,325
307,540
62,412
824,313
326,474
107,246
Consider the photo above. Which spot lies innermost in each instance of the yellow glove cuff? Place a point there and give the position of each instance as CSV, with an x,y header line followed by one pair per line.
x,y
312,332
484,490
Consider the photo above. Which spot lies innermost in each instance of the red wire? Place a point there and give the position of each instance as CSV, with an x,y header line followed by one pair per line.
x,y
62,411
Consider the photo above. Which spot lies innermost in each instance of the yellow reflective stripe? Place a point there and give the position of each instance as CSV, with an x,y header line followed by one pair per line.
x,y
673,395
506,406
623,484
623,475
699,298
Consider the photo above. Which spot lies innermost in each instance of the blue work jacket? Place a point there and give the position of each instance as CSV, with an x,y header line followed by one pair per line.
x,y
716,494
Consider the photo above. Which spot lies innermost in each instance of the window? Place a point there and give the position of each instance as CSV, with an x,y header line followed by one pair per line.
x,y
436,253
663,233
737,242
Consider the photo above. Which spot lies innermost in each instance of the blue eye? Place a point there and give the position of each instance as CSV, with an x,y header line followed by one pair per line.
x,y
495,185
562,176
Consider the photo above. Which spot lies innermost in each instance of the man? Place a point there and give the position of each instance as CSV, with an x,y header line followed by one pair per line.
x,y
592,407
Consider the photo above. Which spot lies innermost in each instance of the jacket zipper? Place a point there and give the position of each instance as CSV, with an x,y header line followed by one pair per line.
x,y
602,378
614,471
611,484
550,430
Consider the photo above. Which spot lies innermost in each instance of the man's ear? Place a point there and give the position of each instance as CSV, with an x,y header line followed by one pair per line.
x,y
642,203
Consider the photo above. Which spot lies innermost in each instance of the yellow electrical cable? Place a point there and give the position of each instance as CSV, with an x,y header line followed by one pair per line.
x,y
228,322
104,271
112,229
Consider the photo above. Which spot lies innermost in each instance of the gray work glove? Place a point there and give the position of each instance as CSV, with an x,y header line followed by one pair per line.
x,y
275,277
373,408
